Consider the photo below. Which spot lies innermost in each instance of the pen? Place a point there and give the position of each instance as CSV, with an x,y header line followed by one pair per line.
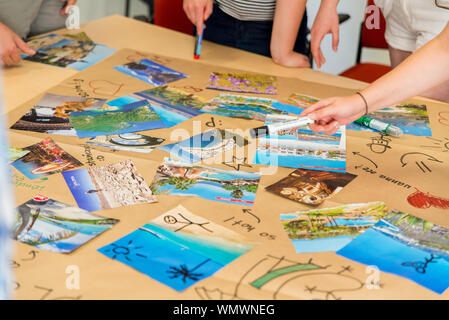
x,y
198,42
280,126
380,126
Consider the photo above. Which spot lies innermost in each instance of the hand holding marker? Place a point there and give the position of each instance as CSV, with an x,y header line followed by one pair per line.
x,y
304,121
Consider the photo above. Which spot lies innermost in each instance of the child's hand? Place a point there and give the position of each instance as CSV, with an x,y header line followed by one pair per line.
x,y
325,22
292,59
65,10
198,11
329,114
10,47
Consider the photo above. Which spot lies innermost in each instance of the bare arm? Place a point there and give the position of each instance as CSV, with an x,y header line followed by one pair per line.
x,y
287,19
423,70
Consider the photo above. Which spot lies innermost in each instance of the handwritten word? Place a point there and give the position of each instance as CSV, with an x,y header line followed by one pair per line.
x,y
249,228
77,83
443,118
396,182
211,123
19,181
90,158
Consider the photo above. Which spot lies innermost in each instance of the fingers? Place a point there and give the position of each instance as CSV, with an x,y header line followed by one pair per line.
x,y
335,37
315,47
23,46
329,128
199,18
319,105
208,10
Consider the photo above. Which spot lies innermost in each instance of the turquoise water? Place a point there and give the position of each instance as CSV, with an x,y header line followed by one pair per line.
x,y
321,244
388,254
79,182
362,221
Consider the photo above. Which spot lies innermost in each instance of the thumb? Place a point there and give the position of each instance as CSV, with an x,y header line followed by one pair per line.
x,y
319,105
324,113
23,46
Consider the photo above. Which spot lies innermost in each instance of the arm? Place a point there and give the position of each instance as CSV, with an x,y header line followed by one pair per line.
x,y
423,70
68,3
326,21
198,11
10,47
287,19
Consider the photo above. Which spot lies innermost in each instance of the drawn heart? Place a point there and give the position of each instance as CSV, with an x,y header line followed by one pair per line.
x,y
105,87
444,118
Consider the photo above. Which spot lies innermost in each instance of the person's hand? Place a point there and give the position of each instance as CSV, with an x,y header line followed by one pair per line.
x,y
198,11
65,10
325,22
10,47
293,59
329,114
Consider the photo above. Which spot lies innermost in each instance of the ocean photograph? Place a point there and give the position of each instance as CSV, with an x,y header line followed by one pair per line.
x,y
133,117
242,82
184,179
178,248
411,118
330,229
50,225
151,72
407,246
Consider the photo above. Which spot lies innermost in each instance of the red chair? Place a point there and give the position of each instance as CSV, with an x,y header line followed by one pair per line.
x,y
374,38
169,14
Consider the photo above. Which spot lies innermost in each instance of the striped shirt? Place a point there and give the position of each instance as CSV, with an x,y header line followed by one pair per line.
x,y
248,10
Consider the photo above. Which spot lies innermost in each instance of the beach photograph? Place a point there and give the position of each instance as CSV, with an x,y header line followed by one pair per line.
x,y
184,179
330,229
243,82
413,119
303,148
178,248
174,106
51,114
133,142
407,246
205,145
16,153
109,119
43,159
50,225
62,51
151,72
245,107
112,186
311,187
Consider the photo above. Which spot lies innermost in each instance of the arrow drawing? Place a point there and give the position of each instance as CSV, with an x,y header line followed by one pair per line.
x,y
421,164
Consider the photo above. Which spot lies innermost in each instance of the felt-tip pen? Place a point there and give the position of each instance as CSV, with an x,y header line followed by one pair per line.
x,y
280,126
380,126
198,43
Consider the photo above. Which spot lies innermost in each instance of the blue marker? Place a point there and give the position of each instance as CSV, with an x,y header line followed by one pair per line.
x,y
198,41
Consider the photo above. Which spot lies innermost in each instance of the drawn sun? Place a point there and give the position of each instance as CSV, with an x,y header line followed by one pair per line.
x,y
125,250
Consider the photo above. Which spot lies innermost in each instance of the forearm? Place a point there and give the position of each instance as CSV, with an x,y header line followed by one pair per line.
x,y
329,4
423,70
287,19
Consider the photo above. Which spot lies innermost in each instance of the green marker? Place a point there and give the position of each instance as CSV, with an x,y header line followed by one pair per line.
x,y
380,126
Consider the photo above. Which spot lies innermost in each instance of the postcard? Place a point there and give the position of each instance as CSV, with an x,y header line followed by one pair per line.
x,y
133,142
330,229
407,246
179,248
45,158
205,145
63,51
110,119
296,103
303,148
184,179
411,118
311,187
51,114
173,105
106,187
241,107
151,72
50,225
16,153
243,82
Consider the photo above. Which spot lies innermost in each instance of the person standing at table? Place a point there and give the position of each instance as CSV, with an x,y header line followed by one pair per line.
x,y
273,28
410,25
22,18
425,69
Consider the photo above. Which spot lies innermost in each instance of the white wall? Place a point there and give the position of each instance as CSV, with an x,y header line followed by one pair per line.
x,y
95,9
